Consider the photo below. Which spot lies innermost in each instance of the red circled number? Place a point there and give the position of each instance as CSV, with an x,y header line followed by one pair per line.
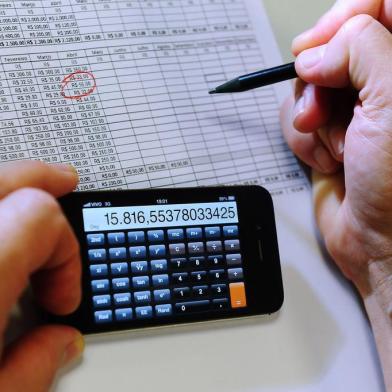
x,y
71,81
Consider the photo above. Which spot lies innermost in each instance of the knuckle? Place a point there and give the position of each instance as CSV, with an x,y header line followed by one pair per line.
x,y
12,174
294,140
34,199
358,23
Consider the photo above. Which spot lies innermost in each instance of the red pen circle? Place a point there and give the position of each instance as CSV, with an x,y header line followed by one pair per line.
x,y
75,77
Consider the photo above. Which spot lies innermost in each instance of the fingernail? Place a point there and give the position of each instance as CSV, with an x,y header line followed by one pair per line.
x,y
311,57
74,351
338,145
64,167
299,107
323,159
303,101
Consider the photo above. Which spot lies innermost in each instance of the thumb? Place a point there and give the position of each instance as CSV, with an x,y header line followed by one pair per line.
x,y
31,363
359,55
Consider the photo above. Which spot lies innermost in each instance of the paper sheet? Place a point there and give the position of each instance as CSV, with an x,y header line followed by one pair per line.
x,y
120,90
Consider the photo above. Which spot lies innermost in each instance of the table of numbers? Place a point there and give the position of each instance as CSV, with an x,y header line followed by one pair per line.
x,y
119,89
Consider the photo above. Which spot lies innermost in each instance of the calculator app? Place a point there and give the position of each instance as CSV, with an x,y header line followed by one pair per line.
x,y
163,260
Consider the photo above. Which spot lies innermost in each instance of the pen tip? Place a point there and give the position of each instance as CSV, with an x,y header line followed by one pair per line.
x,y
212,91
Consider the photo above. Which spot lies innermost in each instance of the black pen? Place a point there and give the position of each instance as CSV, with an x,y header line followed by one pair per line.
x,y
258,79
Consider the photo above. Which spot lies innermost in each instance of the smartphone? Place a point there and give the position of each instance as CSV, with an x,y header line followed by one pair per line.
x,y
169,256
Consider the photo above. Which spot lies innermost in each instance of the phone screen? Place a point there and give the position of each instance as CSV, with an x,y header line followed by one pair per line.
x,y
160,216
157,257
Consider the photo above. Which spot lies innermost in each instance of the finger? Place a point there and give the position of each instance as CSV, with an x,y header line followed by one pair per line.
x,y
340,13
331,215
328,195
358,54
333,134
308,147
312,107
36,236
333,139
56,179
32,362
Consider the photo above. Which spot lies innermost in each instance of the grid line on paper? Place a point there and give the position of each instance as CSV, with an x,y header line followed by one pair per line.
x,y
150,121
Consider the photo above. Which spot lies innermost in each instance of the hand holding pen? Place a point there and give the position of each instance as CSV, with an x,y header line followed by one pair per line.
x,y
341,116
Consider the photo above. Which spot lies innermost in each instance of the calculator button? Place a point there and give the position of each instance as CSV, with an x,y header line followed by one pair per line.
x,y
117,253
200,291
139,267
218,289
102,301
98,270
217,275
119,268
136,237
177,249
116,238
157,251
190,307
233,260
197,262
232,245
180,278
120,284
214,246
140,282
163,310
212,232
215,261
143,312
194,233
159,265
123,314
142,297
103,316
195,248
160,280
237,295
137,252
235,273
219,304
100,286
199,276
162,296
155,235
97,254
122,299
182,292
95,239
230,231
178,264
175,234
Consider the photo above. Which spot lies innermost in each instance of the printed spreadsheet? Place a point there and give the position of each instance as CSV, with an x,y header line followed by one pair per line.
x,y
119,89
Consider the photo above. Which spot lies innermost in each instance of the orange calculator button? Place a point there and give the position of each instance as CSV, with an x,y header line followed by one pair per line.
x,y
237,295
